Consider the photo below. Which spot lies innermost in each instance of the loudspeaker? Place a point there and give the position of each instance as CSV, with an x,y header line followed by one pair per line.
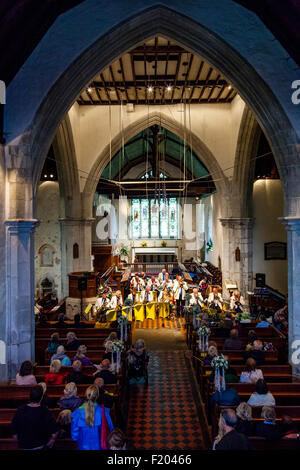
x,y
260,280
82,283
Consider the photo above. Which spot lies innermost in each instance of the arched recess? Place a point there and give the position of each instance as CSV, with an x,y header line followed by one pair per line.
x,y
169,23
132,130
66,162
246,151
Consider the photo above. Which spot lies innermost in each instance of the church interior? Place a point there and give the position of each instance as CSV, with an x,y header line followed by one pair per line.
x,y
150,226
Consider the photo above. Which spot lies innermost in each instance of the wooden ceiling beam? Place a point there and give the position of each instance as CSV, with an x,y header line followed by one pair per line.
x,y
105,88
134,78
123,78
187,74
197,80
158,49
213,88
114,83
151,102
159,81
205,84
176,77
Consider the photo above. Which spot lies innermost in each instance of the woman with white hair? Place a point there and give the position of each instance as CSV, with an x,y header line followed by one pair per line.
x,y
244,423
70,401
73,342
137,363
60,355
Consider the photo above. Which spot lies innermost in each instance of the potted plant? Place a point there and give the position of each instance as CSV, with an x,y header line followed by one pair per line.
x,y
144,244
164,243
124,253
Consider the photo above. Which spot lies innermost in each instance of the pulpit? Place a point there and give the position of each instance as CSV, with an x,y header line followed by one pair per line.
x,y
82,293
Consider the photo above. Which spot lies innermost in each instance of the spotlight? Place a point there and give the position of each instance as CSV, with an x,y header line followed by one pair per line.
x,y
150,89
89,89
229,87
45,176
169,88
51,176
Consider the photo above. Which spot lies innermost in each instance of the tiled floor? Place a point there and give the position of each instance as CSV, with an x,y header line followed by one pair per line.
x,y
164,414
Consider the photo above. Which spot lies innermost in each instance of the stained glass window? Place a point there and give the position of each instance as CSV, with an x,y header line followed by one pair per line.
x,y
154,218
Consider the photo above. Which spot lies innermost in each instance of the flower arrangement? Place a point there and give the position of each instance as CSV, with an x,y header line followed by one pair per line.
x,y
124,251
105,290
219,364
144,244
203,332
117,347
164,243
122,321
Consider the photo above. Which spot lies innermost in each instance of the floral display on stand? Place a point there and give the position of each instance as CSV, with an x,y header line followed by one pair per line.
x,y
219,364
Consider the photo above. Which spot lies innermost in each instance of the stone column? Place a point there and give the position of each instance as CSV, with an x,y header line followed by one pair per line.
x,y
237,233
19,336
292,225
75,230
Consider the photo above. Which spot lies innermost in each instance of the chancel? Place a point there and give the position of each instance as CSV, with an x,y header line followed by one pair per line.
x,y
150,227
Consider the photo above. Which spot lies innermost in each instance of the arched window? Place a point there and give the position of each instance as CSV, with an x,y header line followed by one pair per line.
x,y
46,253
75,251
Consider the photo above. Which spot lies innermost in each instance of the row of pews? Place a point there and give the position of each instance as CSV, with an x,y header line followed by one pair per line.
x,y
12,396
277,373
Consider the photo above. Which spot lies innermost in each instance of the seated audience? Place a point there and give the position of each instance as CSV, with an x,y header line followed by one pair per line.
x,y
268,428
244,423
232,439
60,355
137,363
229,374
77,376
211,353
33,424
228,397
53,343
252,336
105,373
73,342
86,426
70,401
54,376
280,318
233,343
63,422
116,440
81,356
251,375
61,322
105,398
256,353
25,375
262,396
263,322
108,345
288,428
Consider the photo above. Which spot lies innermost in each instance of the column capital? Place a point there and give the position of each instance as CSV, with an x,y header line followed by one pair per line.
x,y
234,221
21,225
290,223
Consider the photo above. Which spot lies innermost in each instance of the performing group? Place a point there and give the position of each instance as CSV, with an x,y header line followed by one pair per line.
x,y
163,296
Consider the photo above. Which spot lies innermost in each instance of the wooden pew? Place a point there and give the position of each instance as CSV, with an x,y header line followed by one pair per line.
x,y
237,357
41,371
96,356
278,343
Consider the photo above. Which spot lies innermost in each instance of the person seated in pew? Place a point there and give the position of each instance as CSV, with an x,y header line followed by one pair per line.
x,y
244,424
237,325
227,397
70,401
196,298
108,345
237,302
281,317
137,363
25,375
73,342
63,422
105,398
61,322
268,429
42,323
231,439
233,342
81,356
261,396
288,428
87,428
33,425
252,374
53,343
105,373
77,376
61,356
78,323
252,336
146,296
116,440
256,353
212,352
54,376
263,322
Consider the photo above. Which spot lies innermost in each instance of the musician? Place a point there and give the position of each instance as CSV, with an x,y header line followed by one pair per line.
x,y
138,283
146,296
215,299
162,275
167,282
165,295
196,297
236,302
153,283
179,288
102,304
116,300
203,285
134,296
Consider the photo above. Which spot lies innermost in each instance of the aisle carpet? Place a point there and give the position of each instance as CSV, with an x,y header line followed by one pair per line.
x,y
165,415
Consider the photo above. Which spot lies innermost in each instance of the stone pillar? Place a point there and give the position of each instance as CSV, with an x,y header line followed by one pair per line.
x,y
292,225
75,230
237,233
19,329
